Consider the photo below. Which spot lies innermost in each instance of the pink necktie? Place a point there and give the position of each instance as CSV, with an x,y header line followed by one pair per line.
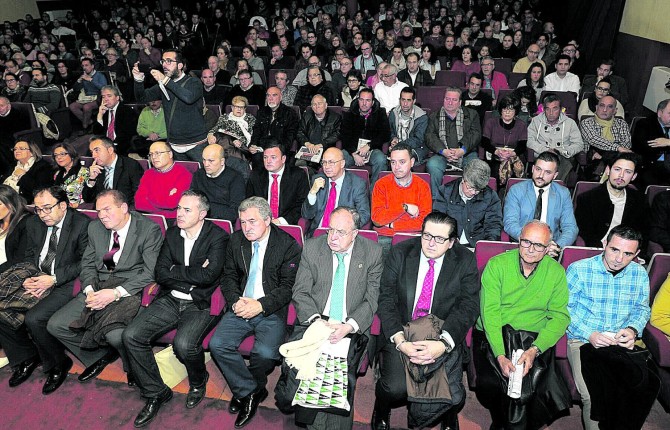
x,y
110,126
330,205
274,196
423,304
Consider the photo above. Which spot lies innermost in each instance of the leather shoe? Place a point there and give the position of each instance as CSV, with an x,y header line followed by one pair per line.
x,y
196,394
23,371
96,368
131,380
381,422
234,406
56,376
151,408
249,407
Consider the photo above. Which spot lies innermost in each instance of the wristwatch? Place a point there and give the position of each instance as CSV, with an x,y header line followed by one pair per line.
x,y
634,330
447,345
404,207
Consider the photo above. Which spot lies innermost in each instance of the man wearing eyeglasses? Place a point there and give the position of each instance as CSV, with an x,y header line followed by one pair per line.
x,y
367,60
319,127
255,94
618,85
527,290
388,90
429,275
542,199
523,64
338,281
332,188
161,186
182,100
56,239
316,85
301,79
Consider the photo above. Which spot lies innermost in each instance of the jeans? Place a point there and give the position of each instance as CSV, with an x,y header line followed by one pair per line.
x,y
378,162
164,314
270,333
437,164
193,154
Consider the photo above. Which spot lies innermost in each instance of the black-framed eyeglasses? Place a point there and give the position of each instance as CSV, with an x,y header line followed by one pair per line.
x,y
45,209
538,247
604,90
168,61
438,239
60,154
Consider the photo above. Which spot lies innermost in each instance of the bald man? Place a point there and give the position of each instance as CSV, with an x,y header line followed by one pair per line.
x,y
532,56
162,185
525,289
605,133
345,188
213,94
223,186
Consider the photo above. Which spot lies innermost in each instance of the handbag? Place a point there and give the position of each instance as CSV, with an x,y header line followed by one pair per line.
x,y
171,369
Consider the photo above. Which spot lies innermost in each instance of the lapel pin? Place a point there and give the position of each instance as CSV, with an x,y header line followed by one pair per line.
x,y
360,265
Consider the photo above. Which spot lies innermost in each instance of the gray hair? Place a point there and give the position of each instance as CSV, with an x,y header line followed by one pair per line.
x,y
477,173
392,69
111,88
203,201
259,203
663,104
356,217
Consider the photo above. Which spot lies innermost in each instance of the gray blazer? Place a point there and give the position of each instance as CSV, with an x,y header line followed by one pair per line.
x,y
315,278
138,258
354,194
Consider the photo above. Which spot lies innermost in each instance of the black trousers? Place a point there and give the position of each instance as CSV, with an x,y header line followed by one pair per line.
x,y
32,338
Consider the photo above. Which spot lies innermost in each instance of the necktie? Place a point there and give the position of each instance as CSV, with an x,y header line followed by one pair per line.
x,y
274,196
51,252
110,126
253,271
109,178
108,258
538,205
330,205
337,292
423,304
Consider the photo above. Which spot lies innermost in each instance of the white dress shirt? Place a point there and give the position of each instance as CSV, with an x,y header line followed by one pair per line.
x,y
188,247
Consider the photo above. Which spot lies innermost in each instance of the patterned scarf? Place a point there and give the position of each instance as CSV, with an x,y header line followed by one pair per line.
x,y
607,127
443,126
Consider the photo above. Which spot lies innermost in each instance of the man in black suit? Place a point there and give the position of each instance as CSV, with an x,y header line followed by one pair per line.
x,y
432,274
188,270
413,75
115,120
118,263
56,240
612,203
285,187
257,287
652,140
111,171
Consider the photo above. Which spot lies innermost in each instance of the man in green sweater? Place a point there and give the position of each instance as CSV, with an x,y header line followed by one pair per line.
x,y
150,127
527,290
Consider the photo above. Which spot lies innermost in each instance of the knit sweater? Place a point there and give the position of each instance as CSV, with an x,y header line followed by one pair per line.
x,y
538,303
45,98
149,123
159,192
225,192
387,200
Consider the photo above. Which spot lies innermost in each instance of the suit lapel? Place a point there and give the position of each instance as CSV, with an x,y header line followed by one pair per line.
x,y
411,274
446,272
265,184
63,240
117,173
131,237
356,265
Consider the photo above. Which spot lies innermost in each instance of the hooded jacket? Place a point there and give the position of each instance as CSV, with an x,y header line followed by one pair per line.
x,y
417,125
564,136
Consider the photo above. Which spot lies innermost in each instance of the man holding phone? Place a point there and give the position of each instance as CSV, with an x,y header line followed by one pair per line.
x,y
181,96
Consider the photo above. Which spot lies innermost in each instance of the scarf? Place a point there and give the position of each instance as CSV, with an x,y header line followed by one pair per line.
x,y
607,128
443,126
243,123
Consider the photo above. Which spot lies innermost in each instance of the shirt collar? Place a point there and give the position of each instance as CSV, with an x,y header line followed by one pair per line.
x,y
182,233
280,173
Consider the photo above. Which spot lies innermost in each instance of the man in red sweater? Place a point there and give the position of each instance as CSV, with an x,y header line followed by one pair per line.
x,y
161,187
400,201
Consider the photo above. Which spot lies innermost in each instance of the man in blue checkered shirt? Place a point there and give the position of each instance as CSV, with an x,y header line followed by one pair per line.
x,y
608,305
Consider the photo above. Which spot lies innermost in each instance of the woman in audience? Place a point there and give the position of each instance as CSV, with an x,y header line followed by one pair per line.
x,y
63,53
429,60
255,63
238,126
13,217
63,77
377,77
464,39
350,92
223,55
660,311
334,61
518,40
465,64
528,100
534,79
504,140
243,64
71,175
31,171
483,52
398,59
588,106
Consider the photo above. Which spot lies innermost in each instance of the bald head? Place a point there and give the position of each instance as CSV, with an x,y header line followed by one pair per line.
x,y
333,163
213,159
532,52
537,229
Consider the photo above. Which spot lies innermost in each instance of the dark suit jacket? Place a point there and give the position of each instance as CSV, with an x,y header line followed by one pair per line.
x,y
293,189
315,279
172,274
16,243
280,266
354,193
645,130
423,78
125,127
138,256
127,175
594,212
71,245
41,174
455,297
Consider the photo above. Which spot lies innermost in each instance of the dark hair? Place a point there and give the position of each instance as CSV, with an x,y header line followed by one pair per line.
x,y
177,54
563,57
441,218
71,151
549,98
606,79
56,192
403,147
418,57
353,73
250,48
528,80
107,142
433,57
409,90
367,90
16,205
476,75
507,102
203,201
527,93
271,142
89,60
118,196
627,233
629,156
549,157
